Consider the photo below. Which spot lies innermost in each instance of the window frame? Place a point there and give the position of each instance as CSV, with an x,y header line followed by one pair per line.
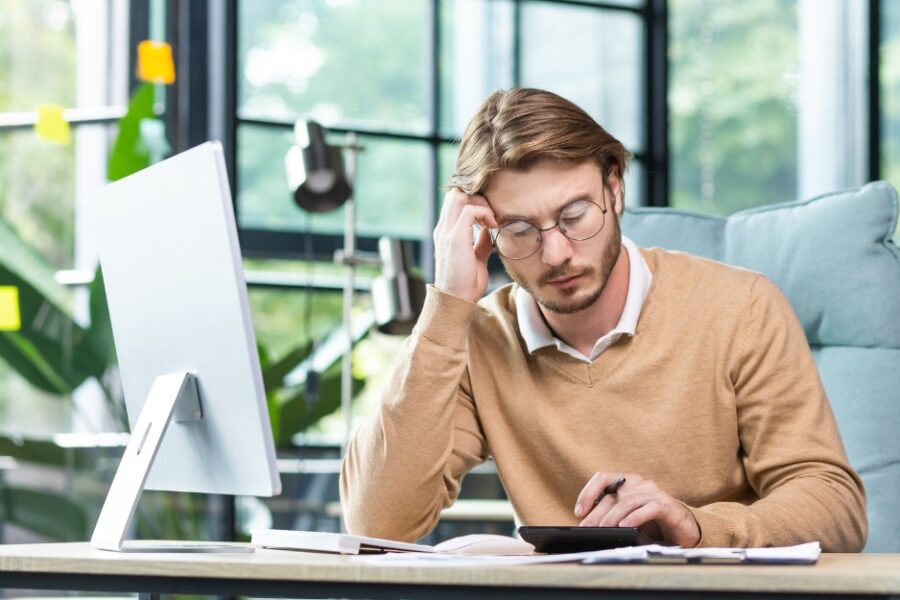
x,y
259,243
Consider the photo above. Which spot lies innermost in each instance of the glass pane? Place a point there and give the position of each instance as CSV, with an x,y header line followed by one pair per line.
x,y
37,54
391,187
446,164
592,57
890,93
37,194
26,410
350,62
634,184
732,102
476,57
285,320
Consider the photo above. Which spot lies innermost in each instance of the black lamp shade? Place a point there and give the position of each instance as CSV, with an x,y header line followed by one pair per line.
x,y
315,170
397,295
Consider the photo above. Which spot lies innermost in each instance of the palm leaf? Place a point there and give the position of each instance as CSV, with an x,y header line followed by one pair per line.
x,y
45,513
51,350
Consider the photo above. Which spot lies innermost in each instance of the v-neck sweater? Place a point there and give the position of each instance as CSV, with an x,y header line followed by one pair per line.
x,y
716,398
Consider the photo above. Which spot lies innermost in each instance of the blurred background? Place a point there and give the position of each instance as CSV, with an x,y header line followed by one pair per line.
x,y
726,105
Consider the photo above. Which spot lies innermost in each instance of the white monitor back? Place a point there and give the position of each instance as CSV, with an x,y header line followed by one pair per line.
x,y
178,302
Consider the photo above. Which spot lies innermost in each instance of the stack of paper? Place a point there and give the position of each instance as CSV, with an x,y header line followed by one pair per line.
x,y
652,554
421,554
801,554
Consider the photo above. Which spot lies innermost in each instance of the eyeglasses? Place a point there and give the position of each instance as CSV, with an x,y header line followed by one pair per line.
x,y
579,220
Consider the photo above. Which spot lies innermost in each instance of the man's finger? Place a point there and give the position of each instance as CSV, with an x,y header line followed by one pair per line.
x,y
627,506
652,511
593,489
454,200
599,511
483,245
472,214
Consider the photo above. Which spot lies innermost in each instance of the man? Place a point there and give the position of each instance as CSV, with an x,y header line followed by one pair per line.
x,y
690,379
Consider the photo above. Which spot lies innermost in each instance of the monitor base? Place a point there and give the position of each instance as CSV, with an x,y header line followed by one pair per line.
x,y
172,397
162,546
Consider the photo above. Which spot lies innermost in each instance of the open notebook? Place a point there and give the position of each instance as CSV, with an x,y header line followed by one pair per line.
x,y
342,543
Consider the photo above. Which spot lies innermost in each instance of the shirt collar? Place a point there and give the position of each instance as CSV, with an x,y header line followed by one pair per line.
x,y
537,333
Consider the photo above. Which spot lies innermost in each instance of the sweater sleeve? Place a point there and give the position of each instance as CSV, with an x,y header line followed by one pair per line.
x,y
792,451
406,462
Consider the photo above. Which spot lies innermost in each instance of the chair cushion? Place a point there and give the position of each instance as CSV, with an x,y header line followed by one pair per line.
x,y
863,385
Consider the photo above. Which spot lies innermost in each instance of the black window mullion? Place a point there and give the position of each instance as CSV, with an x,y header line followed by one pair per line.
x,y
292,245
874,109
138,31
187,113
517,43
229,143
426,258
656,105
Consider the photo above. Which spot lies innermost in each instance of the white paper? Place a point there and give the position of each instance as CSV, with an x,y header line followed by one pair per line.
x,y
800,554
412,558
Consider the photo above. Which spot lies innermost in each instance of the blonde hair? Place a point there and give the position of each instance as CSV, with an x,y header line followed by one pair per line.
x,y
513,129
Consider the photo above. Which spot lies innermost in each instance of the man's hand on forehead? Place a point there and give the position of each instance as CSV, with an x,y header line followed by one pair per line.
x,y
460,264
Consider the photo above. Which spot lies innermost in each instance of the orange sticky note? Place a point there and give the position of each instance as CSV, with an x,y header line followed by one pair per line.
x,y
155,62
10,317
52,125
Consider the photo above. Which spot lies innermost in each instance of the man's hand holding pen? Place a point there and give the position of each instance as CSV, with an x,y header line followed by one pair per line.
x,y
617,500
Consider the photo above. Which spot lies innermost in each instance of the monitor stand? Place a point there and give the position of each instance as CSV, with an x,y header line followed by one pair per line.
x,y
171,396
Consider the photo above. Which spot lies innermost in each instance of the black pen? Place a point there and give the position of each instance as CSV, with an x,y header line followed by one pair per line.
x,y
610,489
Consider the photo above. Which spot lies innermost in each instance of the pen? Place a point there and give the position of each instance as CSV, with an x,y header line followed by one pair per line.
x,y
610,489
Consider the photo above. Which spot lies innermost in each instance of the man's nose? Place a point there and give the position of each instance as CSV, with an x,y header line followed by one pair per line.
x,y
556,248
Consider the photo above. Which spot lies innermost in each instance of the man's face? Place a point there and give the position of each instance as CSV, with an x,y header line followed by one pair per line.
x,y
563,276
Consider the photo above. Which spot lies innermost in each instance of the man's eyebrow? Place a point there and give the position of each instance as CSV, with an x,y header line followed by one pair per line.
x,y
510,218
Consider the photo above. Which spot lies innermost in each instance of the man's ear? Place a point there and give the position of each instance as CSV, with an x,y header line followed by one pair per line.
x,y
614,183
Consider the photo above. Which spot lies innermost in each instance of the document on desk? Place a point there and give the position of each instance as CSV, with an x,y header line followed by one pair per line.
x,y
802,554
454,560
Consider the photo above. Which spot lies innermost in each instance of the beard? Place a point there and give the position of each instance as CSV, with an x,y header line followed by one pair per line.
x,y
572,301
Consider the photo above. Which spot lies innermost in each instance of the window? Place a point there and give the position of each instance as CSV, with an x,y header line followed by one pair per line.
x,y
767,101
406,76
66,53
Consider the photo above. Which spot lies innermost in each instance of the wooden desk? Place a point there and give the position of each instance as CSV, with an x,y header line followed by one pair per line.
x,y
272,573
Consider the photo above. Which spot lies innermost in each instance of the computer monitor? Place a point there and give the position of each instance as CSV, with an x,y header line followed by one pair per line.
x,y
187,352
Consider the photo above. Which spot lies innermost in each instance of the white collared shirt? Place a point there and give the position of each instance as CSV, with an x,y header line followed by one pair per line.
x,y
537,333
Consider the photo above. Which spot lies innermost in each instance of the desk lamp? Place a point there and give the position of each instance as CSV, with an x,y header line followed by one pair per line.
x,y
319,183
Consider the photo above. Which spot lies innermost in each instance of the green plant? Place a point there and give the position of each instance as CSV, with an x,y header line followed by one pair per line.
x,y
294,410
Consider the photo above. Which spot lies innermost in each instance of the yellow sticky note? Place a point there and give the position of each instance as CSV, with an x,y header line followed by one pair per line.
x,y
52,125
10,318
155,62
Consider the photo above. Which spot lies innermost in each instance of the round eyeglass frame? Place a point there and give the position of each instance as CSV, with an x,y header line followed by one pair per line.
x,y
541,231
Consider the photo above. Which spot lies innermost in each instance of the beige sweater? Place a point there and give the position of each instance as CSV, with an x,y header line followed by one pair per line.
x,y
716,398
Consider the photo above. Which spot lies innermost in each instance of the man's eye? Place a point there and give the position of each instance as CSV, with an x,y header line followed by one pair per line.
x,y
569,220
575,210
517,228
